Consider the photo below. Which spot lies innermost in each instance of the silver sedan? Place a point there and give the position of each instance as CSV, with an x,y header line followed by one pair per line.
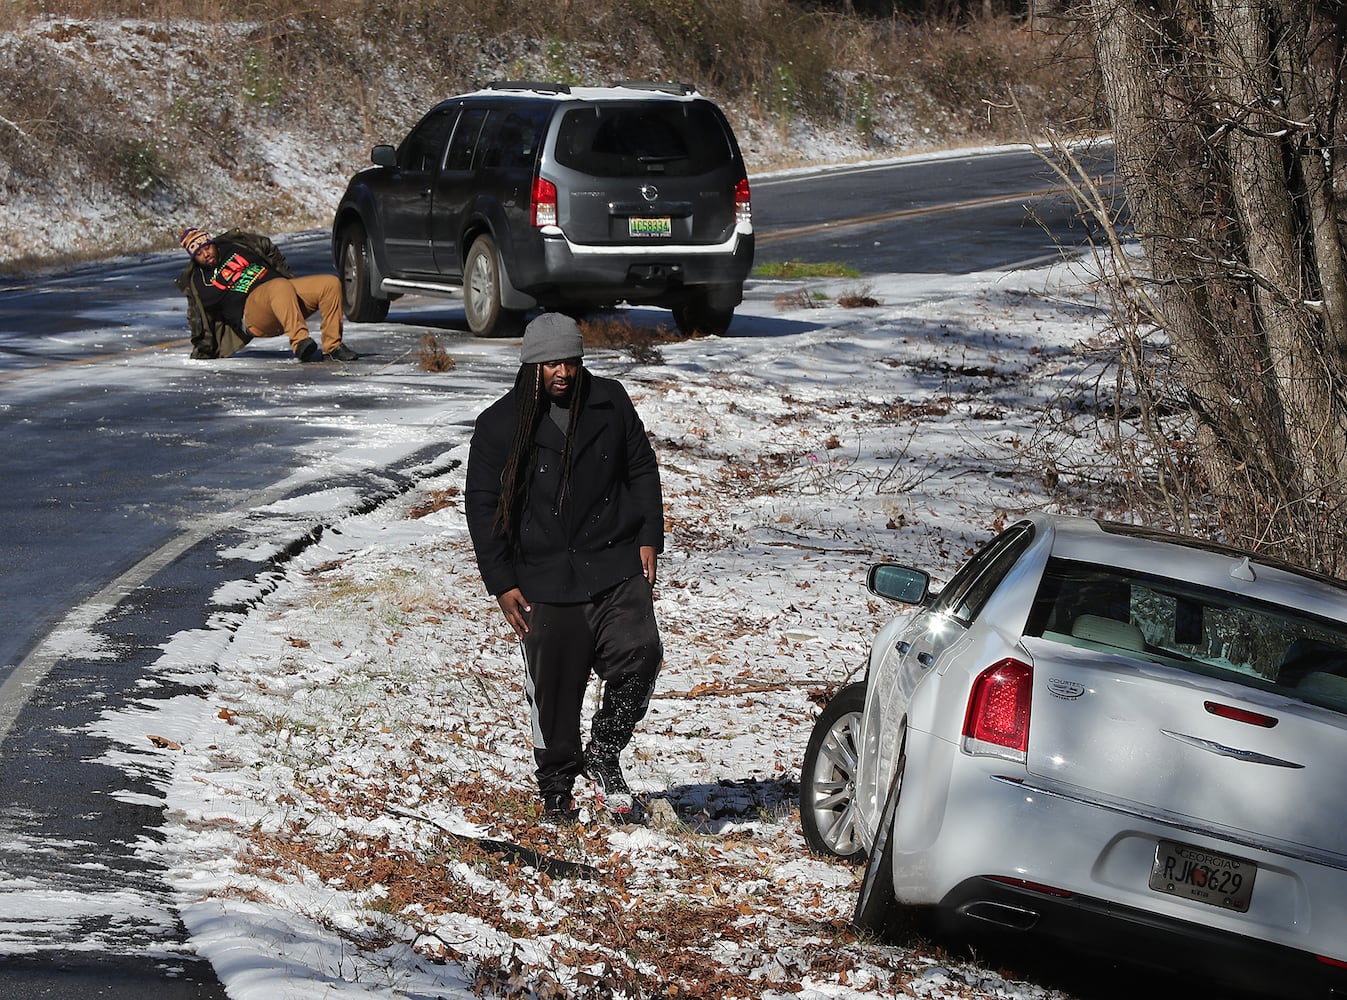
x,y
1120,739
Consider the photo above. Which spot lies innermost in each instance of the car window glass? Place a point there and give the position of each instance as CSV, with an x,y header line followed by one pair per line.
x,y
424,145
1202,630
965,594
630,139
464,142
511,137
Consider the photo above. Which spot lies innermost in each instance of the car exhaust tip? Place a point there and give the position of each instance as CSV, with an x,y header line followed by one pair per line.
x,y
1017,918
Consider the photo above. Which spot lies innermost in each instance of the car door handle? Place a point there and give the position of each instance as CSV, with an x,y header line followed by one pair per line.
x,y
904,647
925,659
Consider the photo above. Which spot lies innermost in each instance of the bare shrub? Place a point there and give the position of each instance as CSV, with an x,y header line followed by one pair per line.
x,y
800,298
433,356
620,333
857,298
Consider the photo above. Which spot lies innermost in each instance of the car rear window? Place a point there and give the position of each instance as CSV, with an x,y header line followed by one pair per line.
x,y
673,139
1212,632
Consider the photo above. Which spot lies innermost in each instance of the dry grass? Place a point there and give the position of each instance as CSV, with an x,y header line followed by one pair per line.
x,y
216,87
433,357
857,298
618,332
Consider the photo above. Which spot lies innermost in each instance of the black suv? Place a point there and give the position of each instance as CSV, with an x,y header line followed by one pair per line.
x,y
527,194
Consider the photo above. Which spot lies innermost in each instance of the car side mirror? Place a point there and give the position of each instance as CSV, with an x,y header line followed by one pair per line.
x,y
384,155
899,583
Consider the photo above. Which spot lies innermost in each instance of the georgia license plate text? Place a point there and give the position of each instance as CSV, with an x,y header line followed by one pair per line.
x,y
1203,875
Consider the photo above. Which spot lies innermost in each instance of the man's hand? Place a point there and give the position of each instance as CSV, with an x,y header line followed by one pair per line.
x,y
514,605
648,562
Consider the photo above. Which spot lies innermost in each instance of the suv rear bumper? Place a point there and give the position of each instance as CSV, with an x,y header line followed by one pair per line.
x,y
654,275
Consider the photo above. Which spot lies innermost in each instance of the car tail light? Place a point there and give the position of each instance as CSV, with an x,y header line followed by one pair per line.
x,y
997,721
544,202
743,203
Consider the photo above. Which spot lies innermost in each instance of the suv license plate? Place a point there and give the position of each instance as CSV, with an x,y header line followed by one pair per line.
x,y
1203,875
643,226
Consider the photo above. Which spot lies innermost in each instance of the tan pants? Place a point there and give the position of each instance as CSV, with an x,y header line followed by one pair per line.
x,y
281,305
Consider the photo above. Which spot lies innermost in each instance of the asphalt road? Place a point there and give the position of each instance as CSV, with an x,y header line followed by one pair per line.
x,y
127,473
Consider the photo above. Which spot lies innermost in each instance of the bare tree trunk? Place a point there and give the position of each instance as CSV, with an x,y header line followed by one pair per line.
x,y
1221,109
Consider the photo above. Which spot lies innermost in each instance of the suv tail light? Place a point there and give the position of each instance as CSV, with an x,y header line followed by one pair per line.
x,y
544,208
743,203
997,721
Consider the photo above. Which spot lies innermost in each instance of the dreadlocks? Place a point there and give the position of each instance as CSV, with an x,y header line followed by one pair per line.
x,y
531,405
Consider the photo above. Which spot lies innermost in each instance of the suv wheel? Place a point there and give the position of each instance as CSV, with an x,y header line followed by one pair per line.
x,y
481,293
698,315
358,303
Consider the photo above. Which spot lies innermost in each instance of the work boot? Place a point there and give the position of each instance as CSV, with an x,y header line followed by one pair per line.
x,y
306,350
342,353
559,809
611,791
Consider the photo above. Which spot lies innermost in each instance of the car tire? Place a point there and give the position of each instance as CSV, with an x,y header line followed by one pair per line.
x,y
358,303
481,293
876,905
828,778
697,315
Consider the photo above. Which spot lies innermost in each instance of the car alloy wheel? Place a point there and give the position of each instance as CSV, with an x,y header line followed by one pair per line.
x,y
481,293
828,778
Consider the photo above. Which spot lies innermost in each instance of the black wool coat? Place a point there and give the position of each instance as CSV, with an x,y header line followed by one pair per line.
x,y
569,549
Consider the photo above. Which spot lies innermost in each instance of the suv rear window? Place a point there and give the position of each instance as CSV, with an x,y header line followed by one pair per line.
x,y
680,139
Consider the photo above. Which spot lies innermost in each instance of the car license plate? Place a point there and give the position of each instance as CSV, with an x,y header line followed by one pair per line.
x,y
643,226
1203,875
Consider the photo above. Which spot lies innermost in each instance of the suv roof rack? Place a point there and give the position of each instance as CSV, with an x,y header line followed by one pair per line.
x,y
665,86
541,86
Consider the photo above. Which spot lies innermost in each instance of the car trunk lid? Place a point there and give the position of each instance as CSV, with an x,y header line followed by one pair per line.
x,y
1163,740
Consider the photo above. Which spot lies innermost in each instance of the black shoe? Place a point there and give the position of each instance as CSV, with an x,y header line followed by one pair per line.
x,y
611,791
308,351
559,807
342,353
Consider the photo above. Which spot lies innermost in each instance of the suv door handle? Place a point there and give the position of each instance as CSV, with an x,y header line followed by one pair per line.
x,y
903,647
925,658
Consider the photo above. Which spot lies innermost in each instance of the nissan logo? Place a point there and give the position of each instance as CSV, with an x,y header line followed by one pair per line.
x,y
649,192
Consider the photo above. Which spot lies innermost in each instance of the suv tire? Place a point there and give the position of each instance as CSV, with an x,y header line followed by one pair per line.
x,y
357,302
697,315
481,293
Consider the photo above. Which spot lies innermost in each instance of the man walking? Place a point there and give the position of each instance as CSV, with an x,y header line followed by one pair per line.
x,y
240,286
567,519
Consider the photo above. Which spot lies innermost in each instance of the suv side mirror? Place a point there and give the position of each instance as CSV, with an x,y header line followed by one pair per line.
x,y
384,155
899,583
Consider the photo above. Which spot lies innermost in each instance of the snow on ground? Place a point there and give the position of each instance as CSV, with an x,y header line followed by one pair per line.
x,y
364,717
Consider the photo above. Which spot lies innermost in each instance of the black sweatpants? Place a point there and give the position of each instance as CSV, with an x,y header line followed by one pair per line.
x,y
614,636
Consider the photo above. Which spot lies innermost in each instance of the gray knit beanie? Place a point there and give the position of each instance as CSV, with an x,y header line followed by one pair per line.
x,y
551,337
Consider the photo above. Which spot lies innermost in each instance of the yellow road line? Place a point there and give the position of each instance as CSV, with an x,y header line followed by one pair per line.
x,y
777,235
93,360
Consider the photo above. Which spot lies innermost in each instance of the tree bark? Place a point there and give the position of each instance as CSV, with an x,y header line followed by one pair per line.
x,y
1220,110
